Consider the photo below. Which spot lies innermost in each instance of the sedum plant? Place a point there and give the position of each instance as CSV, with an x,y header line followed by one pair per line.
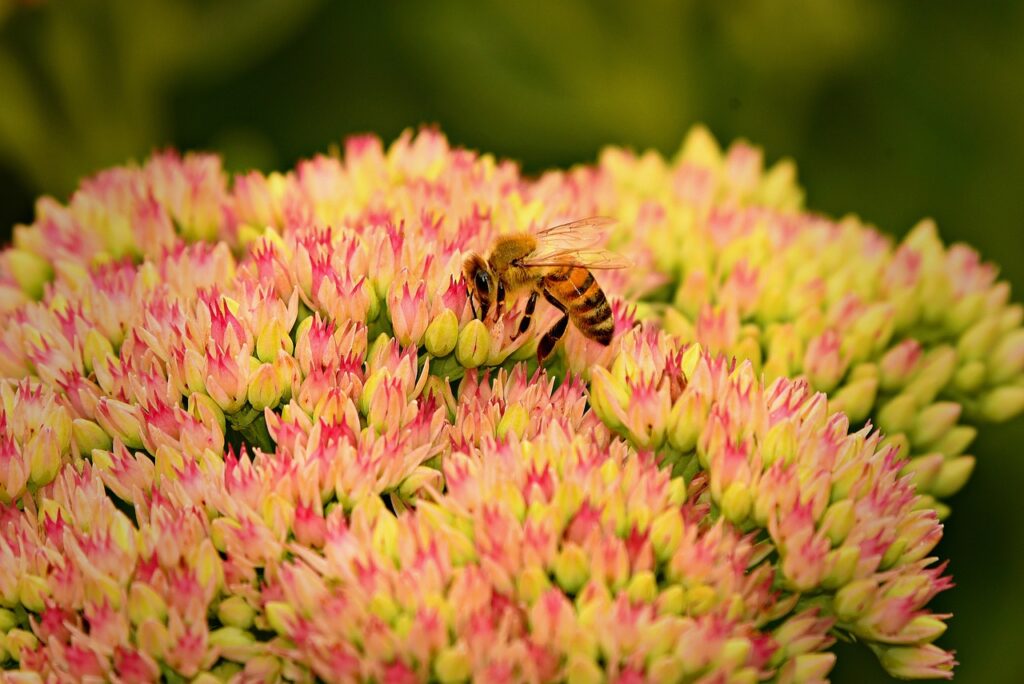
x,y
251,430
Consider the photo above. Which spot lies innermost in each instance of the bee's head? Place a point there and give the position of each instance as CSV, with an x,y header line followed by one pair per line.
x,y
481,284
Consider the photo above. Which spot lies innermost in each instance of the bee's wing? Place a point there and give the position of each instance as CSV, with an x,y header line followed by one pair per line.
x,y
576,243
596,259
590,227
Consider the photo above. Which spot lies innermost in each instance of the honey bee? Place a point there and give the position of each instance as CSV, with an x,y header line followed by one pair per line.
x,y
555,262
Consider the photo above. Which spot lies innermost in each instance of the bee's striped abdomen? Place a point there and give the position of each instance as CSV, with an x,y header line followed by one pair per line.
x,y
584,301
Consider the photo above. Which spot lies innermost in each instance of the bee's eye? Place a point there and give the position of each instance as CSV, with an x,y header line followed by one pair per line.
x,y
481,281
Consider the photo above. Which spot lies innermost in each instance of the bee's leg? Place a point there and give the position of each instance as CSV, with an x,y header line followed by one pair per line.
x,y
472,302
524,322
499,304
554,334
551,337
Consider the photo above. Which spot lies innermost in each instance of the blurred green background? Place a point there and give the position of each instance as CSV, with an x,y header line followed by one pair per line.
x,y
893,110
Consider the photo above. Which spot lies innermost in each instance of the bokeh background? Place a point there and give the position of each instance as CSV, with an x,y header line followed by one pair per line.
x,y
893,111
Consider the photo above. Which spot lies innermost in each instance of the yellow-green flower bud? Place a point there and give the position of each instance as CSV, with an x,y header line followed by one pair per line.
x,y
935,373
672,601
89,436
208,565
733,653
234,643
642,587
263,668
808,667
856,399
898,414
442,334
385,535
32,592
235,611
785,353
676,323
18,640
43,454
1011,318
748,349
144,603
515,419
120,420
923,629
531,583
625,368
841,564
205,678
264,389
955,441
923,470
1007,361
914,662
666,534
153,638
864,370
779,443
384,606
8,620
934,422
280,615
124,534
58,419
970,377
273,338
31,271
582,670
609,397
206,410
978,341
691,357
700,148
638,516
1002,403
572,568
660,637
898,441
686,421
838,520
566,502
370,388
952,476
474,344
701,598
852,600
105,588
964,312
677,491
666,668
226,671
872,332
736,502
453,665
420,477
893,553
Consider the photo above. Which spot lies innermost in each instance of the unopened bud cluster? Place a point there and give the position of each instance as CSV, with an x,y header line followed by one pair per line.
x,y
251,429
916,337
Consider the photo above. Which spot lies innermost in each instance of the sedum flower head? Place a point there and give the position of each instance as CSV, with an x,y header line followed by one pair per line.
x,y
250,426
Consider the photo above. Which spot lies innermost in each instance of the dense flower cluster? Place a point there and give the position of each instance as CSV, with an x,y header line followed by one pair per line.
x,y
250,428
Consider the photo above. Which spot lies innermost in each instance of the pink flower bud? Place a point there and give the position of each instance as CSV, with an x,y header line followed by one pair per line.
x,y
121,421
409,312
823,362
917,662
